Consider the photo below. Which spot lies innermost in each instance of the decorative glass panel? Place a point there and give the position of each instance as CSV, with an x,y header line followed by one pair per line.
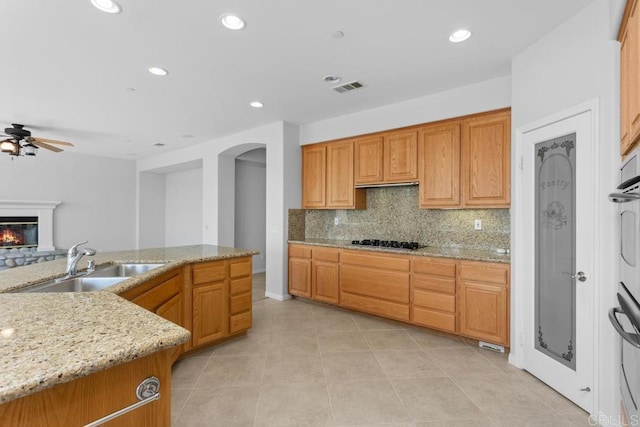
x,y
555,301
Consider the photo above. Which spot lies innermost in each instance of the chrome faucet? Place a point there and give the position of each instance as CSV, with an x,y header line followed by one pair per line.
x,y
73,257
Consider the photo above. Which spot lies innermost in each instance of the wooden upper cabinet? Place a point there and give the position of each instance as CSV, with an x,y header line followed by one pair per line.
x,y
368,160
314,176
400,156
439,166
340,187
486,160
629,79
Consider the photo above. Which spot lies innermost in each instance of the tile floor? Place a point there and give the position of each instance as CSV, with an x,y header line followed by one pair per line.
x,y
308,364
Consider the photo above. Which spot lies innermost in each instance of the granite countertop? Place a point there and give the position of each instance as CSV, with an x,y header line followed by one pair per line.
x,y
51,338
429,251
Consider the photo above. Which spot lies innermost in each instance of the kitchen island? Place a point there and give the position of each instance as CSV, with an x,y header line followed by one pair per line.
x,y
54,344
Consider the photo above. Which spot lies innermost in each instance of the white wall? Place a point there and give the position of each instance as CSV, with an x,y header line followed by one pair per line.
x,y
250,208
479,97
575,63
183,208
151,210
97,204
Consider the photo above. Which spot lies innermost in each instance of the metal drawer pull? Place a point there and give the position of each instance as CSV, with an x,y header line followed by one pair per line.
x,y
632,339
147,391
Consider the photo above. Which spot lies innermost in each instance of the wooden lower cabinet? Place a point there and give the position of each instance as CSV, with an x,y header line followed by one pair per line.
x,y
94,396
300,270
210,318
240,299
433,293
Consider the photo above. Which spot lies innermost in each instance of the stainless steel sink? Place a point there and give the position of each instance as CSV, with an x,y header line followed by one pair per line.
x,y
99,279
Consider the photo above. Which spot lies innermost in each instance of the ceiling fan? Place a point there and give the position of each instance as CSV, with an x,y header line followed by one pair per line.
x,y
19,142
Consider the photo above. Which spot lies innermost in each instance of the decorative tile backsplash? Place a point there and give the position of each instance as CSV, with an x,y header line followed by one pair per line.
x,y
393,213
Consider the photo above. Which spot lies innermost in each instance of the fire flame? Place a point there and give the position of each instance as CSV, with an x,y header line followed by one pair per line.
x,y
10,236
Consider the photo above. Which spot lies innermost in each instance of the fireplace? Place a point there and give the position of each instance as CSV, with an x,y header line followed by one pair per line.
x,y
18,232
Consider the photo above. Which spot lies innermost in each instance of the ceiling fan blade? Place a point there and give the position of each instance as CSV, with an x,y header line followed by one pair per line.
x,y
51,141
45,145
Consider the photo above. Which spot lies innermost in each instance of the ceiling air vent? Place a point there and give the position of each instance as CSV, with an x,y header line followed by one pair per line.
x,y
347,87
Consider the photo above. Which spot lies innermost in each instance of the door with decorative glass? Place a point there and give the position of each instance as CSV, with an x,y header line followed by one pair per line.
x,y
558,205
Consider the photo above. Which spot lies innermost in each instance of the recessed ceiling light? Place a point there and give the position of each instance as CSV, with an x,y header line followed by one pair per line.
x,y
157,71
256,104
331,78
459,36
158,144
337,34
108,6
232,21
187,136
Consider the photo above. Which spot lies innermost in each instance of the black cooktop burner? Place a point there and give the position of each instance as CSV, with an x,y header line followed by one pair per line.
x,y
393,244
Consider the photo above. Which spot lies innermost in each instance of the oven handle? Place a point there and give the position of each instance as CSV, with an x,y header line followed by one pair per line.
x,y
632,339
623,197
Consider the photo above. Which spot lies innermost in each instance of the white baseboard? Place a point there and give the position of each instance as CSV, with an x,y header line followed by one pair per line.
x,y
260,270
277,296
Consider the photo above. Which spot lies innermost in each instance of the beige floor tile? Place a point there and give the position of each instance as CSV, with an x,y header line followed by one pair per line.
x,y
429,339
501,396
435,399
187,371
478,422
462,362
581,420
179,397
294,368
351,366
290,308
549,419
390,340
555,400
283,325
407,364
297,404
339,322
366,402
232,371
319,309
329,342
293,344
371,323
251,344
220,406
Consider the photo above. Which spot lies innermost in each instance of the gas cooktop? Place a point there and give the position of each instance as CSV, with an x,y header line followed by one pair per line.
x,y
391,244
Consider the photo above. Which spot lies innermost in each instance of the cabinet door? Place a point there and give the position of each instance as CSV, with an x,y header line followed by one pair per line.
x,y
439,166
340,191
368,160
483,311
210,316
486,161
300,277
625,94
314,176
401,156
172,310
630,82
325,281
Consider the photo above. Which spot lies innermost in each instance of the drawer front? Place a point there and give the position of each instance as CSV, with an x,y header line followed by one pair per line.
x,y
239,322
434,300
240,303
238,286
208,272
485,272
155,297
385,262
298,251
434,319
326,254
375,306
434,266
240,269
388,285
437,284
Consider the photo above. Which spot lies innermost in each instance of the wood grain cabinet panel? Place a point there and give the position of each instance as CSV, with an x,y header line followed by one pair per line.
x,y
210,315
439,166
629,78
314,176
340,187
300,277
325,281
400,156
486,160
433,293
368,160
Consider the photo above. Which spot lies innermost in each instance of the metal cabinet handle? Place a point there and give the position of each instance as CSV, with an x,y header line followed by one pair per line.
x,y
580,276
632,339
147,392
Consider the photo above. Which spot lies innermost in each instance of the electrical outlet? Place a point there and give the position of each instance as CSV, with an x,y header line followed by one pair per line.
x,y
477,224
336,221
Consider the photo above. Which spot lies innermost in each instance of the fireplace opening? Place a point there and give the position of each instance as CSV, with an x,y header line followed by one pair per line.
x,y
18,232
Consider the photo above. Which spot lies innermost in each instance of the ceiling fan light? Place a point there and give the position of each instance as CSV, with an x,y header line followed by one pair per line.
x,y
8,147
29,150
109,6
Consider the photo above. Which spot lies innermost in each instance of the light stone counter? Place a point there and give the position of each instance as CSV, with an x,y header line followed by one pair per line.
x,y
454,253
48,339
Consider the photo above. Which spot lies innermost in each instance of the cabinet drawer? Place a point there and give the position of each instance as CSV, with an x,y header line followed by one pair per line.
x,y
240,322
388,285
434,300
484,272
155,297
386,262
240,303
208,272
298,251
238,286
375,306
436,267
437,284
434,319
240,269
326,254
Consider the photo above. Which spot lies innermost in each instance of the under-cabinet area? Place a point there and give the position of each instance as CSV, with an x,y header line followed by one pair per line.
x,y
458,296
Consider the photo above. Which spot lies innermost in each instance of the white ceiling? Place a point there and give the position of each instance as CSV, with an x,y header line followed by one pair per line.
x,y
67,68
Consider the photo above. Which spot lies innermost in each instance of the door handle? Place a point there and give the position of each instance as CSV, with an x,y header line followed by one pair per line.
x,y
632,339
580,276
